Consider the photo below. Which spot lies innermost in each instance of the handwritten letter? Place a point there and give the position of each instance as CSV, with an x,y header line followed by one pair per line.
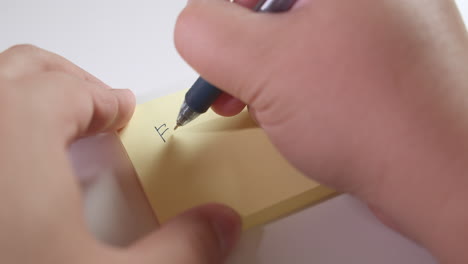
x,y
161,131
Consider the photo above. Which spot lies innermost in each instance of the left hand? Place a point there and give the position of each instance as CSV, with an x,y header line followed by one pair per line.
x,y
46,103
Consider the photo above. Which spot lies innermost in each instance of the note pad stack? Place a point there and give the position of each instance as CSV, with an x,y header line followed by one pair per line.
x,y
213,160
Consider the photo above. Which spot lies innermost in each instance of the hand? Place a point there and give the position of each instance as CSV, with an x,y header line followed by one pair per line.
x,y
366,96
46,103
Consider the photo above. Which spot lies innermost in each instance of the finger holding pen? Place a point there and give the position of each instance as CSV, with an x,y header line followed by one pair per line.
x,y
203,93
226,104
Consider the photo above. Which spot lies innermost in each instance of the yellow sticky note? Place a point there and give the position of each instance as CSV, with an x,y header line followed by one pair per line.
x,y
213,159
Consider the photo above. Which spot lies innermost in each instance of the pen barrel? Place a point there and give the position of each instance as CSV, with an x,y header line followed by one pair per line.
x,y
274,6
201,96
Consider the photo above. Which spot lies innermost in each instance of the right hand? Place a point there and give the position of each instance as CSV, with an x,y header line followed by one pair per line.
x,y
365,96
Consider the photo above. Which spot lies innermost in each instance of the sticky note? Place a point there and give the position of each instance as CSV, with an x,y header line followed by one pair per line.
x,y
214,159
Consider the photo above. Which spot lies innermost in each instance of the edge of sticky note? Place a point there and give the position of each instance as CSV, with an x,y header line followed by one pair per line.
x,y
289,206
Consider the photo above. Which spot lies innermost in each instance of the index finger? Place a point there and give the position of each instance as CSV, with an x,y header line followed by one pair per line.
x,y
246,3
74,108
227,105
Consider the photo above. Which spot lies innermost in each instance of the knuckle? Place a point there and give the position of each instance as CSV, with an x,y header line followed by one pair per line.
x,y
19,59
23,49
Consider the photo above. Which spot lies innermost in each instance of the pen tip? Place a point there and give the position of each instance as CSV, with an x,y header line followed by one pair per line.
x,y
176,127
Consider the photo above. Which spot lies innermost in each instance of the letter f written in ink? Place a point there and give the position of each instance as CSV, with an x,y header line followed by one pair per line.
x,y
161,130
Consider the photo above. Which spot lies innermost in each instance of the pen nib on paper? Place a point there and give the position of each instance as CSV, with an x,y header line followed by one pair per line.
x,y
176,127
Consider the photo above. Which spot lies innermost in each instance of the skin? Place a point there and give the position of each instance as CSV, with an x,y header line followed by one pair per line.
x,y
46,103
372,95
368,97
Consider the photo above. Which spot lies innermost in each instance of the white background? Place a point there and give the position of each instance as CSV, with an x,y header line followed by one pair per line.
x,y
128,44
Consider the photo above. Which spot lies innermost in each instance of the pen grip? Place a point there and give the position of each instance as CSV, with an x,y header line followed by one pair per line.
x,y
201,95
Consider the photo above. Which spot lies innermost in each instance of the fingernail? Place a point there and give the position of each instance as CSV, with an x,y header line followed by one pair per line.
x,y
227,226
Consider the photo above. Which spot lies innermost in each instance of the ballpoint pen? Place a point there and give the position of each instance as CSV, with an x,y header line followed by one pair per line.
x,y
202,94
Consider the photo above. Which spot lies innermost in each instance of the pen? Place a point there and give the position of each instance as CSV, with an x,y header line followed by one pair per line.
x,y
202,94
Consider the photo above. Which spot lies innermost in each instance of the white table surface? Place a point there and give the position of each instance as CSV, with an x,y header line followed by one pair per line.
x,y
129,44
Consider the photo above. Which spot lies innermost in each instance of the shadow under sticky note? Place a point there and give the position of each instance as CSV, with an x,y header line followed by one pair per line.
x,y
213,160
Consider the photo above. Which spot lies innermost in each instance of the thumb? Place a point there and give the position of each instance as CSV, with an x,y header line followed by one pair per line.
x,y
227,44
204,235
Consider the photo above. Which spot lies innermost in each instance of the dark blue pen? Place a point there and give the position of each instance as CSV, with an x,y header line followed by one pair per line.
x,y
202,94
